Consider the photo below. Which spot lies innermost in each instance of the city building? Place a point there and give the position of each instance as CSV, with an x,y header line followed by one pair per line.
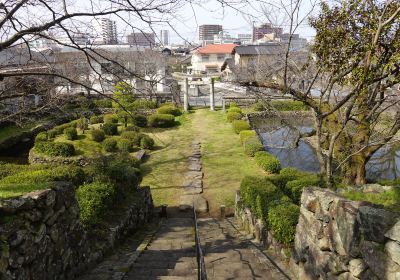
x,y
245,39
224,37
164,37
209,59
207,32
141,39
106,31
77,38
266,28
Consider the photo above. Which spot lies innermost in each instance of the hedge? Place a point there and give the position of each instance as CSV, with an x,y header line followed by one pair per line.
x,y
94,200
98,135
246,134
252,145
110,119
144,104
132,128
169,109
132,136
55,149
295,188
71,133
240,125
235,110
82,124
110,129
282,221
162,120
125,145
139,120
231,116
110,145
42,136
267,162
103,103
96,119
146,142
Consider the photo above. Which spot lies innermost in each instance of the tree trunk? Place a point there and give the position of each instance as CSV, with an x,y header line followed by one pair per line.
x,y
356,172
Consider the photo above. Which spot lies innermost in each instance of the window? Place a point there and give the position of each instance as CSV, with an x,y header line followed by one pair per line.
x,y
205,58
221,57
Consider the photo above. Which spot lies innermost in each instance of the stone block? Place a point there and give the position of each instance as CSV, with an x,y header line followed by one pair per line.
x,y
357,267
394,232
392,249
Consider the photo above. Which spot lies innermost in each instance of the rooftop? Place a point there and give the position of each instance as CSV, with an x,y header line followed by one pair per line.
x,y
268,49
216,49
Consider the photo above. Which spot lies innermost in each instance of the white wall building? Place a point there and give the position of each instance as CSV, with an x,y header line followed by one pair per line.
x,y
209,59
106,31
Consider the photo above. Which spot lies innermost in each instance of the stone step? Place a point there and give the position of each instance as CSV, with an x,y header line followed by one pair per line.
x,y
187,201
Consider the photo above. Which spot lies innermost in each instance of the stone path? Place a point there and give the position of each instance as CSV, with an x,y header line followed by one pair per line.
x,y
229,255
193,183
171,254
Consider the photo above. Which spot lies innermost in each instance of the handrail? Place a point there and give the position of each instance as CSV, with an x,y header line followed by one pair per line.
x,y
201,266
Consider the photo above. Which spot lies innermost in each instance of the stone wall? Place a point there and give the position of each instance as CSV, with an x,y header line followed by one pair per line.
x,y
336,238
41,236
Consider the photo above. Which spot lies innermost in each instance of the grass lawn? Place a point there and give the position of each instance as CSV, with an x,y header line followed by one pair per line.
x,y
84,145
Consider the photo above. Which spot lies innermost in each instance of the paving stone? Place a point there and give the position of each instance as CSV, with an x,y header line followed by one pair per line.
x,y
193,166
193,175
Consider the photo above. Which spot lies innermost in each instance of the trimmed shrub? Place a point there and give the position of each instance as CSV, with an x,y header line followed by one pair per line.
x,y
295,188
246,134
282,220
110,129
96,119
125,145
82,124
233,104
52,133
132,136
94,200
231,116
169,109
124,118
239,125
162,120
71,133
103,103
235,110
42,136
55,149
98,135
144,104
110,119
110,145
139,120
146,142
132,128
252,145
267,162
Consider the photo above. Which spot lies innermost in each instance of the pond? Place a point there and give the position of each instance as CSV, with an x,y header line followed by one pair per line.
x,y
278,139
18,153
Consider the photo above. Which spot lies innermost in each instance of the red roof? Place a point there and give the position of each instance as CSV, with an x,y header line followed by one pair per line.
x,y
216,49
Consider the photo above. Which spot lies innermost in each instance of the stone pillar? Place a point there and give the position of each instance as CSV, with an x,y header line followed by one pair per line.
x,y
212,103
186,96
223,105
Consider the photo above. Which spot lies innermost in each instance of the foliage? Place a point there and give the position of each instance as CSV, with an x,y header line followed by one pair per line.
x,y
162,120
110,145
246,134
111,118
55,149
123,94
239,125
169,109
295,188
282,105
123,117
389,199
144,104
231,116
258,106
58,130
235,110
285,175
71,133
98,135
132,128
82,124
252,145
110,129
52,133
394,182
233,104
267,162
125,145
96,119
103,103
42,136
146,142
132,136
282,220
139,120
94,200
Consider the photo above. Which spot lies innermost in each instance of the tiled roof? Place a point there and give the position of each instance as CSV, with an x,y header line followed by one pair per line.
x,y
216,49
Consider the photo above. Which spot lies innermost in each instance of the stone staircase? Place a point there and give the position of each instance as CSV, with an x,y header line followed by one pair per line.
x,y
229,255
170,255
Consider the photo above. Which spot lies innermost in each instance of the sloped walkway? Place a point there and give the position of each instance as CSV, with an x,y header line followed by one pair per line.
x,y
228,255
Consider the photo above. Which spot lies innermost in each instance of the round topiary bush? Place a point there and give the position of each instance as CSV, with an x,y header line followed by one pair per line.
x,y
98,135
235,110
110,129
139,120
231,116
71,133
125,145
96,119
110,119
146,142
42,136
52,133
110,145
252,145
239,125
267,162
82,124
169,109
295,188
246,134
132,128
55,149
162,120
282,220
132,136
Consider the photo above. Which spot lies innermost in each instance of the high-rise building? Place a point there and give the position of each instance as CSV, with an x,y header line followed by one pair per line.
x,y
141,39
245,38
164,37
106,30
207,32
266,28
